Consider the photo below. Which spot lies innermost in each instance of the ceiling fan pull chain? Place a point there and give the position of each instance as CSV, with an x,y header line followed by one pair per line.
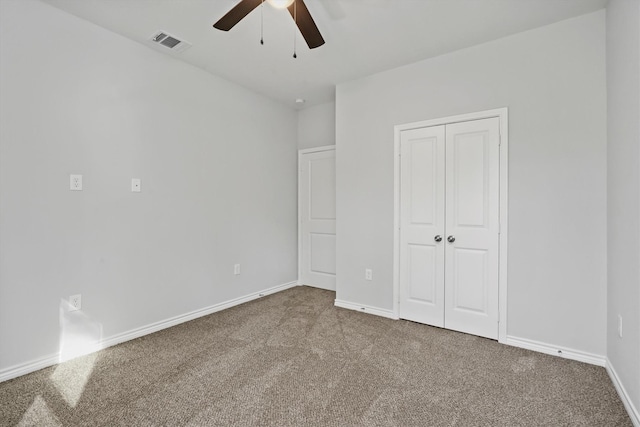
x,y
262,22
295,20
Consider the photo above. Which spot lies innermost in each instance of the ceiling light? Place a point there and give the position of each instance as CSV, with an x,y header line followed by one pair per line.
x,y
300,101
280,4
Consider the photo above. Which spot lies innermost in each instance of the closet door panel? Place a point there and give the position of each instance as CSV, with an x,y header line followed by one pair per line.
x,y
472,227
422,219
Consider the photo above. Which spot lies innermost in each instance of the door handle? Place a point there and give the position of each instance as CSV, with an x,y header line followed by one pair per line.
x,y
438,238
451,239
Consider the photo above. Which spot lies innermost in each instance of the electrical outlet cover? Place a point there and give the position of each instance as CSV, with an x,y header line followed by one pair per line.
x,y
75,302
75,182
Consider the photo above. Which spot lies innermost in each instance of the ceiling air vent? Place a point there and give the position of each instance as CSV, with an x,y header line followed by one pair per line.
x,y
170,42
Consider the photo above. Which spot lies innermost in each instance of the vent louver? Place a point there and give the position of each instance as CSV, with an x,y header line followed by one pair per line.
x,y
170,42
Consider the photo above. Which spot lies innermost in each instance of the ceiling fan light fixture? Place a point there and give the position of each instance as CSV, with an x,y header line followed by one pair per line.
x,y
280,4
297,9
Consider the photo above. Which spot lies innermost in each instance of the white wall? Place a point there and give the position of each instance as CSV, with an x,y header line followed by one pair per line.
x,y
317,126
216,189
552,79
623,110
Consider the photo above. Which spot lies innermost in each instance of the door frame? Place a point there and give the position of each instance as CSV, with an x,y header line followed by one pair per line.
x,y
502,115
300,154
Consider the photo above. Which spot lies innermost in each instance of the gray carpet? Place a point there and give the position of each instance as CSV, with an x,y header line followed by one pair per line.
x,y
293,359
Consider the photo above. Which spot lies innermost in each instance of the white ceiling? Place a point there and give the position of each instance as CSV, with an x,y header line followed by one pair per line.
x,y
362,36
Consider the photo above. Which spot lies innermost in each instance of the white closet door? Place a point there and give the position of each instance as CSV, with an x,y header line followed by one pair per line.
x,y
449,226
422,217
472,227
317,192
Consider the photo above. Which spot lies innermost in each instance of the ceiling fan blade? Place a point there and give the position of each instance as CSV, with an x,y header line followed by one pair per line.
x,y
238,12
307,26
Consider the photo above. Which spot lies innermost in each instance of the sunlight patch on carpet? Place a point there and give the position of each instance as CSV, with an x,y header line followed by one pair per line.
x,y
70,378
39,414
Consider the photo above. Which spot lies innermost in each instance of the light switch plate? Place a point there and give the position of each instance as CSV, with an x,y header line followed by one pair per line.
x,y
136,185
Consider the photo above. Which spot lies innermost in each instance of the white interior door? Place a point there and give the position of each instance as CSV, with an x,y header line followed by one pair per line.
x,y
422,215
317,211
449,226
472,222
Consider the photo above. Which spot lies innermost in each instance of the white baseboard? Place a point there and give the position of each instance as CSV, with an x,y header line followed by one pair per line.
x,y
173,321
633,412
52,359
567,353
365,309
28,367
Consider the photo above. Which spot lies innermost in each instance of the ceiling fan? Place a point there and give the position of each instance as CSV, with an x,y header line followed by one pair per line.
x,y
297,9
